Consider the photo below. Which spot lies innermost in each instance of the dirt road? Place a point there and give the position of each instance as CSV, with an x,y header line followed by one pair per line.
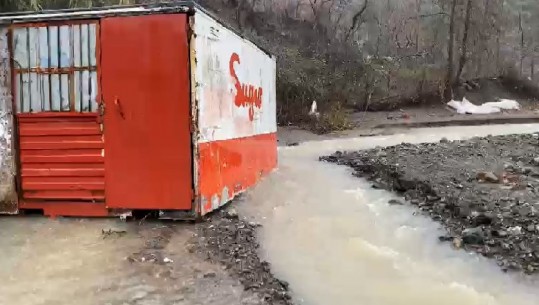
x,y
94,262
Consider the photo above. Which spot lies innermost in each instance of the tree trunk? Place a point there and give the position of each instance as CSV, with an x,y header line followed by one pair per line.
x,y
464,47
418,25
356,19
448,90
522,53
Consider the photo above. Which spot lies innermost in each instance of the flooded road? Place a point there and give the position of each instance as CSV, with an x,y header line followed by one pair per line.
x,y
332,237
337,241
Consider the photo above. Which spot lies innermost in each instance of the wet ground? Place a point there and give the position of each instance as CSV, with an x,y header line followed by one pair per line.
x,y
328,236
94,262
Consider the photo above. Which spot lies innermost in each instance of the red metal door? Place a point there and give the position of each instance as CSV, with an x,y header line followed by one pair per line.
x,y
146,92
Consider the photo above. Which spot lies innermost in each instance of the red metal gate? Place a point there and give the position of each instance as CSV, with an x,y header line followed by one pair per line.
x,y
55,81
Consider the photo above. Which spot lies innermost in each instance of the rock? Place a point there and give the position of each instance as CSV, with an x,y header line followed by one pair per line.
x,y
167,260
482,219
139,295
395,202
525,210
499,233
488,177
210,275
535,161
445,238
534,173
473,236
415,201
527,170
517,230
232,213
457,243
444,140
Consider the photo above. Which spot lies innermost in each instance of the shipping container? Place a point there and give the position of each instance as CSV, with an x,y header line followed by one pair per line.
x,y
111,110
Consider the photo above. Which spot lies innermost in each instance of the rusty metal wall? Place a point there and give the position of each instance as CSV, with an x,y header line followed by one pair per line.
x,y
8,197
55,67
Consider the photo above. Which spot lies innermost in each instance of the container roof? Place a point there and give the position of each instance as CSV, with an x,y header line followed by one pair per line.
x,y
97,12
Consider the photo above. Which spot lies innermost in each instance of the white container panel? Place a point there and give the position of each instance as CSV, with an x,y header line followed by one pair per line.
x,y
235,84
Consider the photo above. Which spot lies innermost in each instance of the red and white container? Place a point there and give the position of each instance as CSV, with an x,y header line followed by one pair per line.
x,y
106,111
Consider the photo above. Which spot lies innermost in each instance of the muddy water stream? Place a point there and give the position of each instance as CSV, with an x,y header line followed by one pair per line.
x,y
338,242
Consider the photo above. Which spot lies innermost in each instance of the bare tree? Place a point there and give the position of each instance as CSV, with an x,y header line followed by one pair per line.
x,y
464,46
448,89
358,16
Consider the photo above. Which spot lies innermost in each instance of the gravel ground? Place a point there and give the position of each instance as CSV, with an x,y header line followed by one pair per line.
x,y
230,241
485,191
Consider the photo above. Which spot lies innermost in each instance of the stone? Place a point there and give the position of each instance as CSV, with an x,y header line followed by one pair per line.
x,y
517,230
445,238
395,202
473,236
482,219
535,161
210,275
232,213
139,295
488,177
457,243
499,233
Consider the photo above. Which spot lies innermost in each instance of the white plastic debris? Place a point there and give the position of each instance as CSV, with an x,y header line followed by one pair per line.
x,y
504,104
314,110
167,260
466,107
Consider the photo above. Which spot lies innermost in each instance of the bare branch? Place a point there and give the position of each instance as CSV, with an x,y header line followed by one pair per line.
x,y
357,17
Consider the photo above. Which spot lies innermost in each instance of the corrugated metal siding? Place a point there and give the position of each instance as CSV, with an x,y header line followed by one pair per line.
x,y
8,196
61,146
56,68
61,157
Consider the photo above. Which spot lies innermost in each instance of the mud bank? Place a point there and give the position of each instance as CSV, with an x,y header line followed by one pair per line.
x,y
485,191
227,240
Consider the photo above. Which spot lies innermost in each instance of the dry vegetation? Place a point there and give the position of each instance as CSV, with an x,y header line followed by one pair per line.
x,y
374,54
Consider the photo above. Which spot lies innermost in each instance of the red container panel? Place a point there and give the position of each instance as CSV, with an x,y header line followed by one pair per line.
x,y
61,157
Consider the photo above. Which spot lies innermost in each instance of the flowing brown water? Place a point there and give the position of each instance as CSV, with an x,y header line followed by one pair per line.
x,y
338,242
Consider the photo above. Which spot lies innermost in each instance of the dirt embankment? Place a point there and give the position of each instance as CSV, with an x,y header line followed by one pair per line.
x,y
485,191
230,241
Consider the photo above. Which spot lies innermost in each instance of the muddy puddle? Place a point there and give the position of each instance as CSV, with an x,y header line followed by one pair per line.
x,y
337,241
